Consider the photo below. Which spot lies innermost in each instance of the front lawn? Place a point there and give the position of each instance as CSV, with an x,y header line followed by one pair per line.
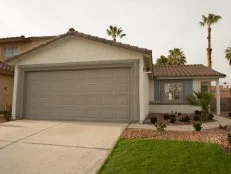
x,y
166,156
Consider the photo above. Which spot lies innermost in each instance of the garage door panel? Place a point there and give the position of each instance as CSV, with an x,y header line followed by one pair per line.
x,y
97,94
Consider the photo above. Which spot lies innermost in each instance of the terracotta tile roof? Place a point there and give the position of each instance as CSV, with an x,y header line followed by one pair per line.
x,y
23,38
6,69
86,36
224,92
196,70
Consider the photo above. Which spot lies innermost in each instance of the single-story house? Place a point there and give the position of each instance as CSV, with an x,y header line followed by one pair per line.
x,y
6,84
76,76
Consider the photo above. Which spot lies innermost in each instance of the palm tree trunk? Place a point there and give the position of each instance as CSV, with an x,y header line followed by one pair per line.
x,y
209,49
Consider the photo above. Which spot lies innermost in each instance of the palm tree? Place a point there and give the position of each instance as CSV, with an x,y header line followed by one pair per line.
x,y
162,60
176,57
228,54
114,32
208,21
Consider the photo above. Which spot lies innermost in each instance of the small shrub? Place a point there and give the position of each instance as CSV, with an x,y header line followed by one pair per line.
x,y
229,138
7,109
197,112
184,119
153,119
197,126
225,127
229,114
210,116
196,118
173,119
166,116
160,126
179,113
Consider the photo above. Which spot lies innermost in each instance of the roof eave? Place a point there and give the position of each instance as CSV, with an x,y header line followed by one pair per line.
x,y
189,77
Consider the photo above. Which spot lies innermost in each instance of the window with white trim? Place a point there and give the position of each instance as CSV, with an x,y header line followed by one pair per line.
x,y
10,51
173,92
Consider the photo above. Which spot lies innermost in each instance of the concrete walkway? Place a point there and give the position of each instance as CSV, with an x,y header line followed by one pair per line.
x,y
219,120
35,147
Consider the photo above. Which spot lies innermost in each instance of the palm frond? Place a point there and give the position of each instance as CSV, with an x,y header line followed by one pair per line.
x,y
122,35
202,24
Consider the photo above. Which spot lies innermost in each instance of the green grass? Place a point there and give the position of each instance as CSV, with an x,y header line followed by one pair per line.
x,y
167,157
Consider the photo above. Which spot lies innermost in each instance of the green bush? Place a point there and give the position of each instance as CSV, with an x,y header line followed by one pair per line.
x,y
166,116
160,126
197,112
153,119
172,120
184,119
197,126
179,113
229,138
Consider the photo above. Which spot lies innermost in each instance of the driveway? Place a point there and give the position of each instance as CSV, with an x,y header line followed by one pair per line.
x,y
44,147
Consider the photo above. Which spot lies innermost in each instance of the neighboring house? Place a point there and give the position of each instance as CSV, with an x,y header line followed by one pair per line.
x,y
225,97
6,84
9,47
76,76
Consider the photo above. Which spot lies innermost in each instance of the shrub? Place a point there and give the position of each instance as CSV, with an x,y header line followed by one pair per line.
x,y
184,119
229,114
225,127
160,126
197,126
173,119
196,118
229,138
7,109
153,119
179,113
197,112
166,116
210,116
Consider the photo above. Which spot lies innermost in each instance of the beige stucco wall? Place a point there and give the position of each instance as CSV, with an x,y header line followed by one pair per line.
x,y
168,108
73,49
6,89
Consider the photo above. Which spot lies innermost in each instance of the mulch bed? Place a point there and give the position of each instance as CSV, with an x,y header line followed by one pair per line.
x,y
215,135
160,118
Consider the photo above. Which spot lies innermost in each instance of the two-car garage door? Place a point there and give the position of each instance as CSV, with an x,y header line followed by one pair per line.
x,y
89,94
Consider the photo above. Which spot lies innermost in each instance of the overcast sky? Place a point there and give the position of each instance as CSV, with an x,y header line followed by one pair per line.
x,y
159,25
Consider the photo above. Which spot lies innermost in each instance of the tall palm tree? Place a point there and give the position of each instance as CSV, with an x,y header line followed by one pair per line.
x,y
162,60
228,54
176,57
208,21
115,32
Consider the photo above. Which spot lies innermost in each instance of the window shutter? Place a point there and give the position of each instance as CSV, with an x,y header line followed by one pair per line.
x,y
188,90
156,90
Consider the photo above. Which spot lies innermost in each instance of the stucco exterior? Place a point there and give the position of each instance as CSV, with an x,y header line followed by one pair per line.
x,y
167,108
74,49
6,89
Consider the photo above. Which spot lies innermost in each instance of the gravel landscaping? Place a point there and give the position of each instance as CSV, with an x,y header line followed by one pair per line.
x,y
216,135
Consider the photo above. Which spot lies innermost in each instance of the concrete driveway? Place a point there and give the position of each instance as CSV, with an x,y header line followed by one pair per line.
x,y
44,147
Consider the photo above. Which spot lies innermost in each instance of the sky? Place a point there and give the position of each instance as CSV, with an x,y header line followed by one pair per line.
x,y
159,25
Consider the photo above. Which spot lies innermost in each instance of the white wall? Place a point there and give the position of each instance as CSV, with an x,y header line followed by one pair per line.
x,y
74,49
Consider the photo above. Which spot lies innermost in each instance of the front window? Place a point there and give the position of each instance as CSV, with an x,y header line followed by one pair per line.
x,y
173,92
10,51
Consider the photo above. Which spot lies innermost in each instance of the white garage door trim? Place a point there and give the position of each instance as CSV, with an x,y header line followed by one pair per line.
x,y
132,64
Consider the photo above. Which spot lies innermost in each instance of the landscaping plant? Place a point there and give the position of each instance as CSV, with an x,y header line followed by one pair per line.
x,y
153,119
160,126
166,116
6,111
230,114
196,118
184,119
225,127
197,126
229,138
172,120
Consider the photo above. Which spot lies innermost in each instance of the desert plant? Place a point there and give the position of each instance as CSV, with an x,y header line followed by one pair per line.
x,y
160,126
179,113
153,119
229,114
184,119
197,112
208,21
196,118
197,126
202,99
229,138
6,111
228,54
115,32
225,127
172,120
166,116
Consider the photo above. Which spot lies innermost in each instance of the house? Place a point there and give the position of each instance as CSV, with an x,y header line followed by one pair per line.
x,y
9,47
76,76
6,84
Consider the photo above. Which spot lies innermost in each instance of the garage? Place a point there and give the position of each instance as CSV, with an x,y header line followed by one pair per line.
x,y
89,94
